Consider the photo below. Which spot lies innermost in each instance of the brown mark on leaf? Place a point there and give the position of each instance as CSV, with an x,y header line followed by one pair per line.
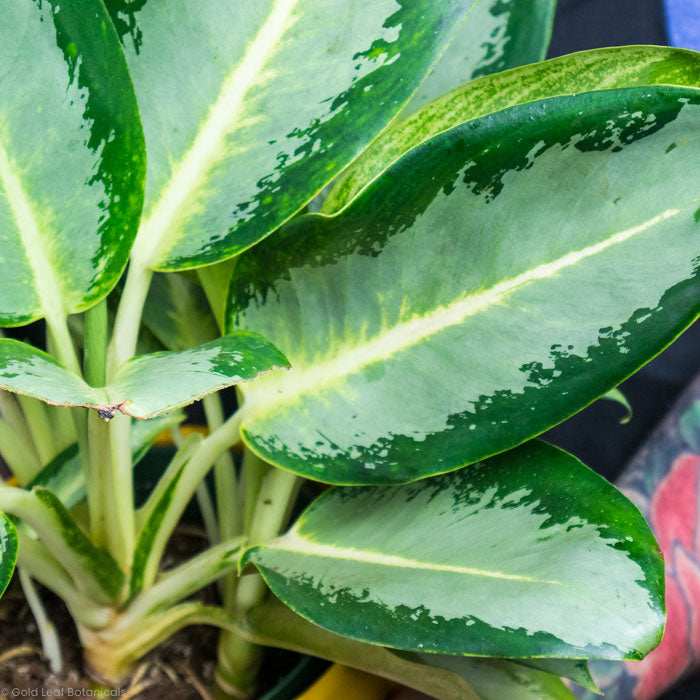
x,y
108,412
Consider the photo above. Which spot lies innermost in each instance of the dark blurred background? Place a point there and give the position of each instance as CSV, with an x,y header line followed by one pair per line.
x,y
595,435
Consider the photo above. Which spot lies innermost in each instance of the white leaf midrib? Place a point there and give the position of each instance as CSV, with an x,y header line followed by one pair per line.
x,y
294,543
156,231
48,289
262,397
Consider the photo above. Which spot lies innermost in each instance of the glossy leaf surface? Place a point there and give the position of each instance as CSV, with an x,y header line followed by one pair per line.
x,y
144,386
502,559
8,551
72,160
64,475
600,69
249,109
495,36
493,282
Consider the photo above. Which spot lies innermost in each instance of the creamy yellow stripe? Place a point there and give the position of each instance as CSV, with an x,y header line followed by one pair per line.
x,y
208,146
295,544
419,328
46,283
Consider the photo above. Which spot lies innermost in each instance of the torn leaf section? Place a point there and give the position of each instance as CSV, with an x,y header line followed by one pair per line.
x,y
145,386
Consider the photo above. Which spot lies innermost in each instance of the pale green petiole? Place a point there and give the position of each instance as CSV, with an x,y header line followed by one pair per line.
x,y
50,643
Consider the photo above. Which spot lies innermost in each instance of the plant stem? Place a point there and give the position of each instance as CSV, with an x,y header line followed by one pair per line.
x,y
50,644
253,472
97,470
228,507
95,359
202,460
11,412
198,460
120,508
206,508
173,471
63,426
119,503
204,501
271,509
182,581
40,427
158,519
215,281
62,420
111,653
18,454
62,342
42,566
128,319
239,659
99,463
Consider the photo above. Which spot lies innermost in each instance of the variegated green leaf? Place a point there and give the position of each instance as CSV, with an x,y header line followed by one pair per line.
x,y
502,559
621,67
64,475
493,282
8,551
497,35
144,386
265,104
72,160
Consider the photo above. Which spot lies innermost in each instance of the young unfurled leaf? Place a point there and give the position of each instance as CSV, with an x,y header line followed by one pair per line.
x,y
72,161
491,283
618,397
277,98
145,386
527,554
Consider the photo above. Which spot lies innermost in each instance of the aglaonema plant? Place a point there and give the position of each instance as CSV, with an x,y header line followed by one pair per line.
x,y
500,246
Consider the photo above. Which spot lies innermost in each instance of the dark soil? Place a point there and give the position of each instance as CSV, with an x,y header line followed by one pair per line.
x,y
180,669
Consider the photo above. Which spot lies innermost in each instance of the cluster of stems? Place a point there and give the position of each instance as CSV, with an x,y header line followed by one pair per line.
x,y
251,506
